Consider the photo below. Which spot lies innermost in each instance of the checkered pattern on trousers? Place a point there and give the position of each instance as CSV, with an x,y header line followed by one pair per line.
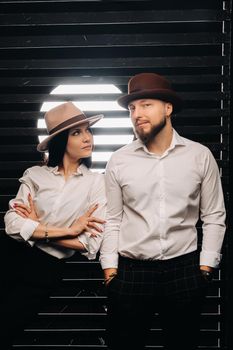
x,y
179,276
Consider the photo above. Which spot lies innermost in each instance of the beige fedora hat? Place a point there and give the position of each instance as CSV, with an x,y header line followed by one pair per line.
x,y
62,117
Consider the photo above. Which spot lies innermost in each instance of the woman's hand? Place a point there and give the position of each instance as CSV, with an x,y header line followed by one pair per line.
x,y
87,222
27,212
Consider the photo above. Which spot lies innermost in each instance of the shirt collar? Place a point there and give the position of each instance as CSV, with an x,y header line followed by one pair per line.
x,y
177,140
81,170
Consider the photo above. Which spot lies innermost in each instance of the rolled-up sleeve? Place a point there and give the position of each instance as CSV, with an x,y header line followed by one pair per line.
x,y
16,226
97,195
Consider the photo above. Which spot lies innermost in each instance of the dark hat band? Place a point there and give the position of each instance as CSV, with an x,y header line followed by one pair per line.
x,y
68,122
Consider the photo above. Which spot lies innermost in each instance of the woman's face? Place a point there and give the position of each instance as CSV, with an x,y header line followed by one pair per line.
x,y
80,142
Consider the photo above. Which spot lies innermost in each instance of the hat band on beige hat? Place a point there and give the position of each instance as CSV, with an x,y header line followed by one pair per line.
x,y
68,122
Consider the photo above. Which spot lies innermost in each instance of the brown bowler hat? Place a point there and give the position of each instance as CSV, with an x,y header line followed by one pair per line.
x,y
150,85
62,117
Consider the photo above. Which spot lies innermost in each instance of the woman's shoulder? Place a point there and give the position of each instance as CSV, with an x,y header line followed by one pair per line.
x,y
36,169
33,173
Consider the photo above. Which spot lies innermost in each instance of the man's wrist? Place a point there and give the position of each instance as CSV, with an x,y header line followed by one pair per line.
x,y
109,278
206,268
109,271
208,275
109,274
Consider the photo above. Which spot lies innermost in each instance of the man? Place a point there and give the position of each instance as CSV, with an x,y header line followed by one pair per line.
x,y
157,188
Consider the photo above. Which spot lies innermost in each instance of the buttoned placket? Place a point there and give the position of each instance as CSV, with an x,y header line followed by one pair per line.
x,y
161,198
61,187
162,201
61,184
161,205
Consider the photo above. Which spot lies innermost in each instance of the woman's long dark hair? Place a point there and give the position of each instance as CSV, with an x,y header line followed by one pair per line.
x,y
56,149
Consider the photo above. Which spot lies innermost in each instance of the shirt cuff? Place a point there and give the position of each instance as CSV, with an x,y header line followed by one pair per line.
x,y
82,239
211,259
85,241
91,244
109,261
27,230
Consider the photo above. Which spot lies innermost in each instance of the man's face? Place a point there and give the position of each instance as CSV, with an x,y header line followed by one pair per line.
x,y
149,117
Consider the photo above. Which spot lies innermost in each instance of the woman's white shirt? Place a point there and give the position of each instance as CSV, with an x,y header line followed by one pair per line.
x,y
58,202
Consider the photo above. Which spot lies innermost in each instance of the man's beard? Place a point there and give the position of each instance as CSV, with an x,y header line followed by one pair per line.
x,y
149,136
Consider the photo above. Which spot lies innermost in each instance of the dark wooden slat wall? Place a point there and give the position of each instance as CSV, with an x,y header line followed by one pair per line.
x,y
47,43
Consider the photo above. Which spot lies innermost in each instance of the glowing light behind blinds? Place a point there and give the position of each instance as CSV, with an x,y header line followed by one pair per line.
x,y
97,107
85,89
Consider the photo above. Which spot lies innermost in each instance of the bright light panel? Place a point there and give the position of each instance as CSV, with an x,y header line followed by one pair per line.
x,y
107,139
112,139
86,105
102,123
98,170
101,156
86,89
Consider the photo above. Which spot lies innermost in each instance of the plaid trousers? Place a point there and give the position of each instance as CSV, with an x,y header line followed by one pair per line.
x,y
174,288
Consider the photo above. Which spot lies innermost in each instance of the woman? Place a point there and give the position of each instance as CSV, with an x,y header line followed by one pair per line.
x,y
52,213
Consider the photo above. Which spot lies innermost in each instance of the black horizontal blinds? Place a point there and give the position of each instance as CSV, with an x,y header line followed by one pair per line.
x,y
44,44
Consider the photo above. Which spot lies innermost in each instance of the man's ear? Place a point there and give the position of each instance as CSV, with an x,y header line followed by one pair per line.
x,y
169,109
